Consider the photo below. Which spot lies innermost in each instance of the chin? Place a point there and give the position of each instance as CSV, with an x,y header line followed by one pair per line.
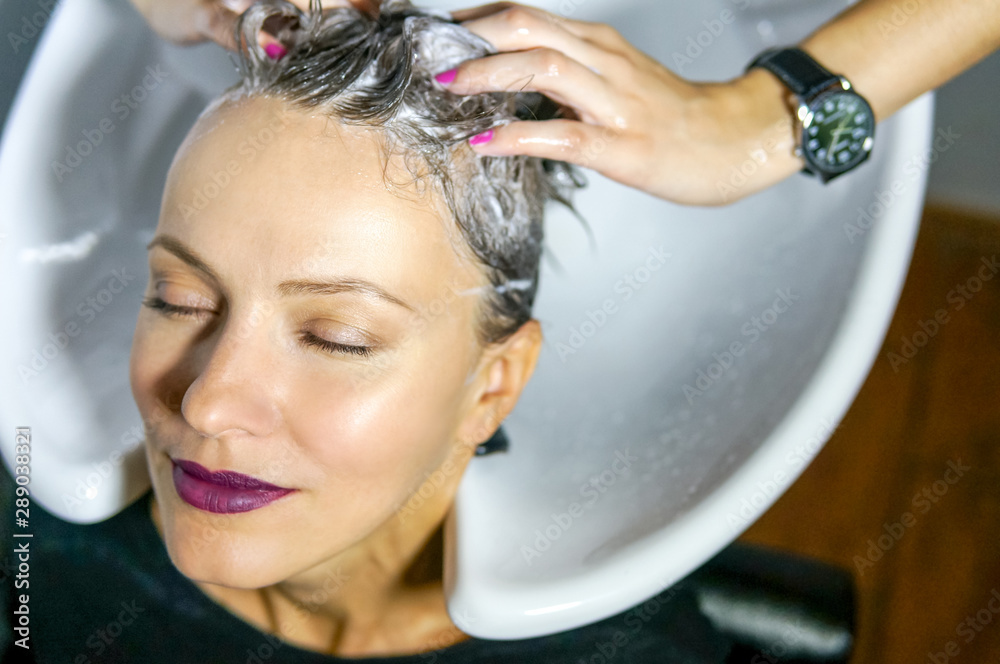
x,y
238,550
207,553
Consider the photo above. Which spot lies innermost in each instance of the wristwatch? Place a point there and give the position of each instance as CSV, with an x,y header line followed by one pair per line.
x,y
835,126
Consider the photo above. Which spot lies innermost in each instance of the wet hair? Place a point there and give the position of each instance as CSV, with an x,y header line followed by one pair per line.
x,y
378,71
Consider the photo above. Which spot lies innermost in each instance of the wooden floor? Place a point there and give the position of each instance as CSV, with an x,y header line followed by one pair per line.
x,y
907,491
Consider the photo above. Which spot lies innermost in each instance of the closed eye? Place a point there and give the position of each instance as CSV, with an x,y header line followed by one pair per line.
x,y
311,339
168,309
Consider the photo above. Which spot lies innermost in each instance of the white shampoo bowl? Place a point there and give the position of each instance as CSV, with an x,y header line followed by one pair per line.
x,y
665,415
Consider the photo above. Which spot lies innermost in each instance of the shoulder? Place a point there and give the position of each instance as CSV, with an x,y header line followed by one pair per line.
x,y
74,557
108,592
99,591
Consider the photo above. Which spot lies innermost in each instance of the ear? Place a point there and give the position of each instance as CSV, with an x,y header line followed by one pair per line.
x,y
503,372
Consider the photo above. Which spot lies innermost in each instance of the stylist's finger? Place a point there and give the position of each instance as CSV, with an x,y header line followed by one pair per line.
x,y
519,28
545,70
190,21
638,123
562,140
595,32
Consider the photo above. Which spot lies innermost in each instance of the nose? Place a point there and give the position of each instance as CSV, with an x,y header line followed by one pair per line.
x,y
232,392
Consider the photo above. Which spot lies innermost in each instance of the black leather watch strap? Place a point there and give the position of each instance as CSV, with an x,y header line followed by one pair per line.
x,y
796,69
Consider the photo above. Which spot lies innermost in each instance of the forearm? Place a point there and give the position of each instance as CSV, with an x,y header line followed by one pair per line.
x,y
893,51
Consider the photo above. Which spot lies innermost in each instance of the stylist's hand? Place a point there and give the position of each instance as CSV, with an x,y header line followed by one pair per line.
x,y
190,21
636,122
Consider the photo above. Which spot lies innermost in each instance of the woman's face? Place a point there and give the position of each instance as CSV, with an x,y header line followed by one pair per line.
x,y
308,328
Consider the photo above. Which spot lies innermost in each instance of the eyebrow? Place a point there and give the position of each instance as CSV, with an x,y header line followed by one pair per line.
x,y
285,288
342,285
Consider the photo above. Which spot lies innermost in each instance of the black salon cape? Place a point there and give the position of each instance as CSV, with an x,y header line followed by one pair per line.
x,y
108,592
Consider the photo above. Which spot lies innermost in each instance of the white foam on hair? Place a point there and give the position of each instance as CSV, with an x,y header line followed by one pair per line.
x,y
497,202
513,284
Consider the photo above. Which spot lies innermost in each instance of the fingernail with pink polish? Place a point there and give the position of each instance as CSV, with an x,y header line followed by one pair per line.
x,y
275,50
446,77
484,137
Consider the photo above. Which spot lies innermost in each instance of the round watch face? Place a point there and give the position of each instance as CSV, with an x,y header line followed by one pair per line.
x,y
838,131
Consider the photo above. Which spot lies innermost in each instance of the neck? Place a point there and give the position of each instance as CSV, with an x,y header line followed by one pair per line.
x,y
373,600
382,596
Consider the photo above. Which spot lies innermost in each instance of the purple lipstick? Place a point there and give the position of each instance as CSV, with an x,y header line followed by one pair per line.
x,y
224,491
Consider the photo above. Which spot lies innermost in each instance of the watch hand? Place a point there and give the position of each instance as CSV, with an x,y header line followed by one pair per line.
x,y
836,137
836,115
831,151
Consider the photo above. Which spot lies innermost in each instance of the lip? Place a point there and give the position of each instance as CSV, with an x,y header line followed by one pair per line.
x,y
222,491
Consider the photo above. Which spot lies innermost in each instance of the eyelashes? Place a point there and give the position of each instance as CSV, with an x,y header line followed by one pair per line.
x,y
307,338
311,339
165,307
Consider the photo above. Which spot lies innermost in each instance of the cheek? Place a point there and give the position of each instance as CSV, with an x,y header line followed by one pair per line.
x,y
364,436
153,356
143,367
382,433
